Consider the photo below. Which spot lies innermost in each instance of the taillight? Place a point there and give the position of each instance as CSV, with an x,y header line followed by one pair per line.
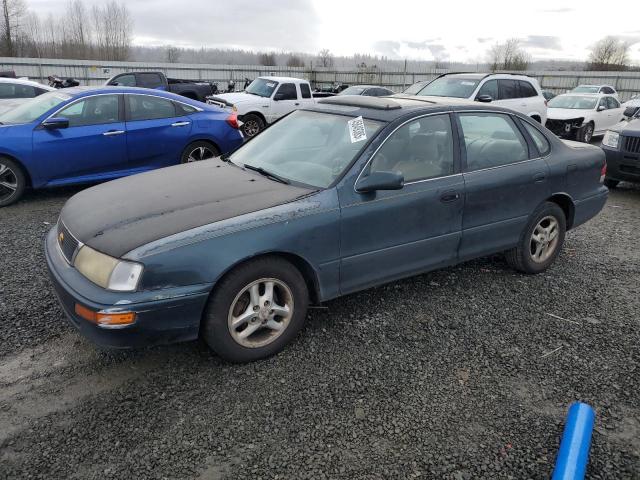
x,y
232,120
603,172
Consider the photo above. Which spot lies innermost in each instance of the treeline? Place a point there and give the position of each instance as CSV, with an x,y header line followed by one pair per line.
x,y
103,32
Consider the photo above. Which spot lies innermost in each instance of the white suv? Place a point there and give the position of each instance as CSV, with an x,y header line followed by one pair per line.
x,y
517,92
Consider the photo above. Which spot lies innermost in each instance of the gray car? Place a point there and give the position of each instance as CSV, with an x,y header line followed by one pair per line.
x,y
348,194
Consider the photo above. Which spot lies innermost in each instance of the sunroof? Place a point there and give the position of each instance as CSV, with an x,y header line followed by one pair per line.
x,y
376,103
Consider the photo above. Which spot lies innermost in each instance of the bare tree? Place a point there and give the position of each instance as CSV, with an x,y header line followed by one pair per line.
x,y
76,29
113,26
325,58
267,59
13,12
295,61
609,53
172,54
508,56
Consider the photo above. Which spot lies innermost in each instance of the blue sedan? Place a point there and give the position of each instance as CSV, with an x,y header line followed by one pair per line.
x,y
81,135
350,194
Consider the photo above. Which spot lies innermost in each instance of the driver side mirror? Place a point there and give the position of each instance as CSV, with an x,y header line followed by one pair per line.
x,y
56,123
601,108
484,98
380,181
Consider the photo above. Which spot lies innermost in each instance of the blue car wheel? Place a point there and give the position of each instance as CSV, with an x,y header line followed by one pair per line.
x,y
198,151
12,181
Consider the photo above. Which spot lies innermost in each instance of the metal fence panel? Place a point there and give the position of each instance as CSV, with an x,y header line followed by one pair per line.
x,y
90,72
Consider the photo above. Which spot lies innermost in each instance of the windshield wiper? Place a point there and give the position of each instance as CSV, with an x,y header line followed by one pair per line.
x,y
266,173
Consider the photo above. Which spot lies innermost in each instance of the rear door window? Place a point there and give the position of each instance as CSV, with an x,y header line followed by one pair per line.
x,y
526,89
507,89
147,107
305,90
492,140
150,80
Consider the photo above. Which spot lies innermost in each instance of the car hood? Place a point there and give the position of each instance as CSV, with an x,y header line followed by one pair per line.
x,y
240,97
566,113
118,216
8,104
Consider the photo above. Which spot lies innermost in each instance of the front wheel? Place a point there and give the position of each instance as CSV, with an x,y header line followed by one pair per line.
x,y
198,151
255,310
252,125
541,241
585,133
12,182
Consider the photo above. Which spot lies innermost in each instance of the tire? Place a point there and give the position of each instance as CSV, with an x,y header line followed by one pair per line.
x,y
522,257
252,125
198,151
610,183
231,302
12,181
585,133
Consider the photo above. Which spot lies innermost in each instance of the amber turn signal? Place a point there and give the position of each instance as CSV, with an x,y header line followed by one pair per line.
x,y
104,318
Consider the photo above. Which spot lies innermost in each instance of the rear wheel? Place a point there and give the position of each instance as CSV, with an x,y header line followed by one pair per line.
x,y
585,133
610,183
256,310
12,182
541,241
198,151
252,125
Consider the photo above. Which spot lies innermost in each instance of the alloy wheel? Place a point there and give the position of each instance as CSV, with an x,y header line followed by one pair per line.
x,y
200,153
544,239
251,128
8,182
588,133
260,313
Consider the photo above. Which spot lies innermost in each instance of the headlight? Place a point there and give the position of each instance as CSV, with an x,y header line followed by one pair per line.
x,y
106,271
611,139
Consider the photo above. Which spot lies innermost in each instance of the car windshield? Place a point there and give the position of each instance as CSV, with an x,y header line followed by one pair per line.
x,y
414,89
33,109
586,89
262,87
574,102
450,87
311,148
353,91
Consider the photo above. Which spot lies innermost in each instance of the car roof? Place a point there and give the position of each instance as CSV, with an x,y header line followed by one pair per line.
x,y
284,79
367,86
387,109
483,75
586,95
594,85
84,91
25,81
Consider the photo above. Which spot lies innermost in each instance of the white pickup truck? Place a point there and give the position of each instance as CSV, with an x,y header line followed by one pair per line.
x,y
267,99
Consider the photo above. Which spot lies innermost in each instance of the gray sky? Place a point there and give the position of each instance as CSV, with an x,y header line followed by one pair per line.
x,y
460,30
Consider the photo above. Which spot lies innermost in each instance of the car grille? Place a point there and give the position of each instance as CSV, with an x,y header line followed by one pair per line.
x,y
631,144
68,243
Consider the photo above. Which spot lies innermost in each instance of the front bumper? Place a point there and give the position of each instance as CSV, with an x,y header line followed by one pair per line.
x,y
564,128
162,316
622,165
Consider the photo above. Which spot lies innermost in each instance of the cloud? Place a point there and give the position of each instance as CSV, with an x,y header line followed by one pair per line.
x,y
558,10
425,50
484,39
542,42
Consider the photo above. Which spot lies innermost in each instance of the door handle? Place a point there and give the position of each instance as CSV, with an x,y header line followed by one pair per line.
x,y
297,104
539,177
450,196
111,133
180,124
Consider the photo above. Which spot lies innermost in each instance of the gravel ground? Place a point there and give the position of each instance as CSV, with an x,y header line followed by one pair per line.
x,y
463,373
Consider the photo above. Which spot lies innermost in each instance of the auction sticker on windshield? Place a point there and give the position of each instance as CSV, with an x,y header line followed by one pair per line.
x,y
356,130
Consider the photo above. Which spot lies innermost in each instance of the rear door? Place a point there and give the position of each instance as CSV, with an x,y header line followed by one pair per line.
x,y
505,180
393,234
157,132
93,145
615,111
305,94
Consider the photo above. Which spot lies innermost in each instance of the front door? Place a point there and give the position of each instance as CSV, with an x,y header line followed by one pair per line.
x,y
91,148
392,234
285,100
504,182
157,133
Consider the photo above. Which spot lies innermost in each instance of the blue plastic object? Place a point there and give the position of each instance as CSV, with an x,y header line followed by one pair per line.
x,y
573,455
